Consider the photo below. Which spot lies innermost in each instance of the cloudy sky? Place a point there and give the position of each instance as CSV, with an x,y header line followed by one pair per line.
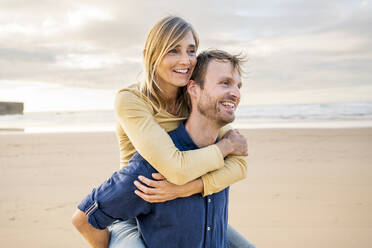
x,y
299,51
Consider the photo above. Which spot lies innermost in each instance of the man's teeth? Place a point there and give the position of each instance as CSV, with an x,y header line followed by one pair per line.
x,y
228,104
182,71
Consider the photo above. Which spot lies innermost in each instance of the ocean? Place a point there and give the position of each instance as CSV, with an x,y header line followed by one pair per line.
x,y
327,115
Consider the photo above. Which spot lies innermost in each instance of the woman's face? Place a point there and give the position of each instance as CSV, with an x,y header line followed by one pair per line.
x,y
177,65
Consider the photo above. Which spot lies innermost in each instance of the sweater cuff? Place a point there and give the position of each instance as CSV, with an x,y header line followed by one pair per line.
x,y
206,185
207,179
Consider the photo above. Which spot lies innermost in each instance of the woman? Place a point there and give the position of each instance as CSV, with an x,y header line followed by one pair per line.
x,y
148,111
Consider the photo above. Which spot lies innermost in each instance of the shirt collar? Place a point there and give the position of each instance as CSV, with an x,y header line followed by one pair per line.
x,y
184,137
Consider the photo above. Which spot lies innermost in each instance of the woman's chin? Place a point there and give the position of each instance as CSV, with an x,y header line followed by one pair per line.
x,y
180,83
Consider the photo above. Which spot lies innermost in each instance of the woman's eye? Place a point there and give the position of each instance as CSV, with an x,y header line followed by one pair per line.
x,y
226,83
192,51
172,51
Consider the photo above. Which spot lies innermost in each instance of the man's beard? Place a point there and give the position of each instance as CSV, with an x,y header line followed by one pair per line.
x,y
208,107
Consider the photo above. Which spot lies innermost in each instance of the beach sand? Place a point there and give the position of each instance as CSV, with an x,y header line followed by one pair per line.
x,y
305,187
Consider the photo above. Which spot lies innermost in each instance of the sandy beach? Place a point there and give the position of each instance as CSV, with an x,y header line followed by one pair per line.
x,y
305,187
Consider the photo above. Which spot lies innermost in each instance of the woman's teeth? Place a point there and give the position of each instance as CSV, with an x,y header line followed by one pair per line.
x,y
182,71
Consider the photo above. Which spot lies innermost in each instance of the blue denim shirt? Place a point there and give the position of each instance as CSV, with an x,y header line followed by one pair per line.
x,y
193,221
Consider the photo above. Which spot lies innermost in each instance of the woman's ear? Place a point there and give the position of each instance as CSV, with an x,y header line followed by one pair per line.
x,y
144,52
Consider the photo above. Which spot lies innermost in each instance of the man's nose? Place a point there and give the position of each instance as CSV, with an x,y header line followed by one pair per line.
x,y
235,92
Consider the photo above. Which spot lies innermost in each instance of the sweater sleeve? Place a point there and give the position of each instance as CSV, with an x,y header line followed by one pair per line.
x,y
154,144
235,169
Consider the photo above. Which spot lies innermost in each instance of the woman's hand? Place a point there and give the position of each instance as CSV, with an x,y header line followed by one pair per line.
x,y
160,190
233,143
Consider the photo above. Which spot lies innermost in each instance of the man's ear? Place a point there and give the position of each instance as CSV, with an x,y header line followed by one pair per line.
x,y
193,88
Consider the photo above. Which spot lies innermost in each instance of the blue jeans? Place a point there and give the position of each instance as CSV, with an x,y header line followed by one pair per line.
x,y
124,234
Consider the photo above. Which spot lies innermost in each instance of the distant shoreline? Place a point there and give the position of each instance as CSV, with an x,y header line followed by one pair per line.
x,y
262,126
299,116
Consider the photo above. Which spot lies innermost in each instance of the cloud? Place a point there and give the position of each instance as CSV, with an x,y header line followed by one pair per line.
x,y
14,55
291,45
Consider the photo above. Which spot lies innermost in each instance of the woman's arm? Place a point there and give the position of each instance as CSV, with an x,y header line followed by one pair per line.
x,y
160,190
234,170
136,117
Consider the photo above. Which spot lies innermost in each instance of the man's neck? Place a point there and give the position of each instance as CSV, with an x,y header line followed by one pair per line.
x,y
202,130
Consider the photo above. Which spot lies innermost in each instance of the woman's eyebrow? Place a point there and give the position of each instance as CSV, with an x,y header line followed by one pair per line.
x,y
190,45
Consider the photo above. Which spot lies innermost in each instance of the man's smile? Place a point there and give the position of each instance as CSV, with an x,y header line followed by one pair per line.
x,y
229,105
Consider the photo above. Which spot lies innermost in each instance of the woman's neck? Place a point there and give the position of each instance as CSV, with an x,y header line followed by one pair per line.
x,y
170,96
172,106
169,91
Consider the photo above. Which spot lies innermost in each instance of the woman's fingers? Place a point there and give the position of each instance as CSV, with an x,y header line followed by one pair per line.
x,y
148,182
158,176
149,198
159,190
145,189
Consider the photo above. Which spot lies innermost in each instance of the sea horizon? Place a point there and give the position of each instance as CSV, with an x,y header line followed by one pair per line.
x,y
320,115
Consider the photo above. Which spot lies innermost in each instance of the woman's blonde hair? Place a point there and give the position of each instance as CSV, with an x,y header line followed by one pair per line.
x,y
163,36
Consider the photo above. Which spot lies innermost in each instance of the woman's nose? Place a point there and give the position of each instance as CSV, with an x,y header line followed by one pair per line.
x,y
185,58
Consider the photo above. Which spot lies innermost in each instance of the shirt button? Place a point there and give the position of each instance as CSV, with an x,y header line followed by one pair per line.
x,y
208,228
209,200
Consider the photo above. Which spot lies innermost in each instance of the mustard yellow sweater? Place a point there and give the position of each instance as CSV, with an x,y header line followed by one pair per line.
x,y
142,127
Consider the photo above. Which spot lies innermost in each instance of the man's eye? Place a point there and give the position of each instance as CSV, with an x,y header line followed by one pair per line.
x,y
172,51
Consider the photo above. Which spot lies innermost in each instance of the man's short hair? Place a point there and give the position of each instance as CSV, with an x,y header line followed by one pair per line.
x,y
205,57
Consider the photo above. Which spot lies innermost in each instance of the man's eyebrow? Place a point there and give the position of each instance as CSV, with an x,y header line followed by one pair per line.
x,y
227,78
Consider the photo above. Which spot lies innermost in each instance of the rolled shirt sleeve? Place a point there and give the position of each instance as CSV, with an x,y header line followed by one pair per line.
x,y
115,199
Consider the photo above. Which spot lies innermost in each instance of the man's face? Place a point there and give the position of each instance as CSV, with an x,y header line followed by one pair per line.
x,y
221,94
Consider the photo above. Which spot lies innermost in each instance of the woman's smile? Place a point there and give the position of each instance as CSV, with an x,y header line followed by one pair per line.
x,y
177,65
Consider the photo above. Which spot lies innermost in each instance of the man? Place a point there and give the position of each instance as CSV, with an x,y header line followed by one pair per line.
x,y
193,221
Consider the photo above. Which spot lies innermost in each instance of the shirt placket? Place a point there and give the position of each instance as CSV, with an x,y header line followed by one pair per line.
x,y
209,226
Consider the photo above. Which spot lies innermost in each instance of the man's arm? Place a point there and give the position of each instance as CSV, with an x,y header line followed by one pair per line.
x,y
112,200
